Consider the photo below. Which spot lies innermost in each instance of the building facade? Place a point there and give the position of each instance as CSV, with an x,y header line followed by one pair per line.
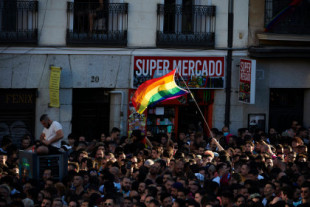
x,y
97,46
279,42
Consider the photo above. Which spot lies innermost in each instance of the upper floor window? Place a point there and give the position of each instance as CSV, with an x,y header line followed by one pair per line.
x,y
287,16
97,22
18,21
185,23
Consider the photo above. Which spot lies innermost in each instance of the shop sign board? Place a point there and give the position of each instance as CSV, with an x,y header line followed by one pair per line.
x,y
197,72
247,79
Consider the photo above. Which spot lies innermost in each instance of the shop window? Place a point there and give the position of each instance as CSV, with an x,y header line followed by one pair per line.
x,y
161,119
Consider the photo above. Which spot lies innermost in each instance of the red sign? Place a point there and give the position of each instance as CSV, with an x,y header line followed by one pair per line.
x,y
247,81
198,72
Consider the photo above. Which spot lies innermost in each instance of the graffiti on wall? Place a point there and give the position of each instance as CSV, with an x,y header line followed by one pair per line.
x,y
16,130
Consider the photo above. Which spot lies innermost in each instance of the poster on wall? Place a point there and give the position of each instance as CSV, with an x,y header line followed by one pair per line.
x,y
197,72
247,78
54,86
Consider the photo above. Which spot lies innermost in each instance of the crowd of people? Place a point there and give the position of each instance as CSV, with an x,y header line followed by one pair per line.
x,y
189,169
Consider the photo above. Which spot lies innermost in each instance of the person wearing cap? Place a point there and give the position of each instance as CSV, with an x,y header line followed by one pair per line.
x,y
256,198
148,163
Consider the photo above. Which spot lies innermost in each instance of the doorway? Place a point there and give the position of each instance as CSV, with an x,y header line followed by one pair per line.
x,y
90,112
286,105
190,118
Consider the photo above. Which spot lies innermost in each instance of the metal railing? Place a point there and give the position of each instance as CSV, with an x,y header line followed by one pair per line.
x,y
185,26
18,21
287,17
97,24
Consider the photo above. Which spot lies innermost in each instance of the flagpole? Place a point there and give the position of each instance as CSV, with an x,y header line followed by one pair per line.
x,y
197,107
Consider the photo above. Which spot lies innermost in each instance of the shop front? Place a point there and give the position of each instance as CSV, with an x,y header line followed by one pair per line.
x,y
17,113
199,75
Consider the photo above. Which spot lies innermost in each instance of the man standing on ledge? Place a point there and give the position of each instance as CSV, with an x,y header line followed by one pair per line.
x,y
50,137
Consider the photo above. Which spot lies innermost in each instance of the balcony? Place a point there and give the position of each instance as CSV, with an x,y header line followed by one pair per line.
x,y
97,24
191,26
287,17
18,22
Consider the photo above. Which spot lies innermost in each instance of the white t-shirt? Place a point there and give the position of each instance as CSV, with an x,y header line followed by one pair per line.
x,y
51,133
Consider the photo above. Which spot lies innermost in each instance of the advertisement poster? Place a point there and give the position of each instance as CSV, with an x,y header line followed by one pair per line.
x,y
135,120
197,72
247,77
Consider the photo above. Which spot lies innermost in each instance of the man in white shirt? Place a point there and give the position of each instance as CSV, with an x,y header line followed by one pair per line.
x,y
51,136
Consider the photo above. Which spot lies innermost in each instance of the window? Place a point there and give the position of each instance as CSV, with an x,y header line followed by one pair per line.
x,y
185,23
18,21
287,17
97,21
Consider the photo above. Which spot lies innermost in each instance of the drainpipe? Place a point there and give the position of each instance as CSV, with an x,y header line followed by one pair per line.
x,y
229,60
121,125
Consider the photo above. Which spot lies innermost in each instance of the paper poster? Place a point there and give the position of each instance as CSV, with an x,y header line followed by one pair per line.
x,y
159,110
247,79
54,86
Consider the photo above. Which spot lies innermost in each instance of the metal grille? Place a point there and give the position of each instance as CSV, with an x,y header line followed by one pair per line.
x,y
285,17
185,25
94,23
32,165
17,113
18,21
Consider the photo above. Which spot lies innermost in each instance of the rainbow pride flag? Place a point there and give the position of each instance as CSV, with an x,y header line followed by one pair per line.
x,y
155,91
